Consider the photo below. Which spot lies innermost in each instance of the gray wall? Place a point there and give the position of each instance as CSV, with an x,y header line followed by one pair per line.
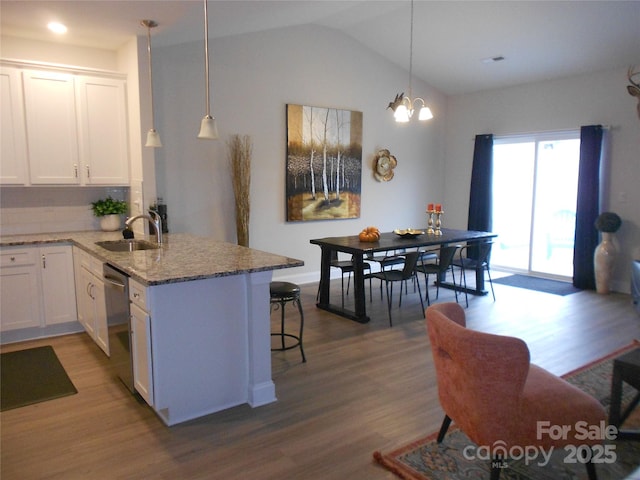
x,y
599,98
253,77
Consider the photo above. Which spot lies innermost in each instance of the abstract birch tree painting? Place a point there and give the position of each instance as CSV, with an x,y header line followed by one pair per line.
x,y
324,163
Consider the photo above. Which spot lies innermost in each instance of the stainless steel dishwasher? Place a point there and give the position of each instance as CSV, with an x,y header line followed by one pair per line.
x,y
116,289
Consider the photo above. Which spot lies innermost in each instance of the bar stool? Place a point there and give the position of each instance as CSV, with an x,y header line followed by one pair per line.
x,y
282,293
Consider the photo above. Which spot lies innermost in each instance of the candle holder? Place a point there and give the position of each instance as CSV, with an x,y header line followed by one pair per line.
x,y
437,230
430,230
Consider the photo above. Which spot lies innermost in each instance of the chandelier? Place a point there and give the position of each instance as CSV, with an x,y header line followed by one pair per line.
x,y
402,105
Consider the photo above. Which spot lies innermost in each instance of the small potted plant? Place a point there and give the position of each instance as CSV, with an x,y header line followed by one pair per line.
x,y
108,210
608,222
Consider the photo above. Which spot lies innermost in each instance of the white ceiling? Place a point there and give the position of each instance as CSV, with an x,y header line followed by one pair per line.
x,y
539,39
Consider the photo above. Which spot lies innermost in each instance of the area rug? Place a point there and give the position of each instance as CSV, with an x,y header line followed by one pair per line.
x,y
31,376
425,459
539,284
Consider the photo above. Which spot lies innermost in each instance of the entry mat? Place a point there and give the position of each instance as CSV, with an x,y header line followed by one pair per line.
x,y
31,376
539,284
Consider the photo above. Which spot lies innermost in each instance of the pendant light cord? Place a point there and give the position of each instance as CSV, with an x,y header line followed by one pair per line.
x,y
206,56
149,23
411,54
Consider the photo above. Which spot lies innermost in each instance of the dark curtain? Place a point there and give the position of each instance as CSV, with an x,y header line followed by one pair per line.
x,y
481,189
587,208
481,193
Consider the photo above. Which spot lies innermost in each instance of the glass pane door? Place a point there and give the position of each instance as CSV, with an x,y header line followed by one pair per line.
x,y
554,213
534,203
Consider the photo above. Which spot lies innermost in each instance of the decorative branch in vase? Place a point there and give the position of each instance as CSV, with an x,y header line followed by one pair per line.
x,y
240,150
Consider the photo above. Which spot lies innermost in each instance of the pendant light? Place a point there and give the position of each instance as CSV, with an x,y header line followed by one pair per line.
x,y
208,128
403,105
153,138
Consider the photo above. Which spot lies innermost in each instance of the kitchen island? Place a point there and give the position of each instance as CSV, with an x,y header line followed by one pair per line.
x,y
207,312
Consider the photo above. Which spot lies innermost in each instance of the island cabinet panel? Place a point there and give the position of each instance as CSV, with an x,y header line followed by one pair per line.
x,y
210,345
140,325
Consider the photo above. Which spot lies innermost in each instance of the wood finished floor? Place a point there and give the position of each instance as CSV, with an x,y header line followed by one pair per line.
x,y
363,388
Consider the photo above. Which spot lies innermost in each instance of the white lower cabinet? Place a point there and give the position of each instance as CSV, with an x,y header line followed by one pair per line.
x,y
58,290
37,291
92,309
141,342
19,290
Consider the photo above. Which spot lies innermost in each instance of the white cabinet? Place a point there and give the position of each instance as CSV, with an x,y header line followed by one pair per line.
x,y
19,292
37,289
52,137
58,292
92,309
102,125
13,147
141,342
61,127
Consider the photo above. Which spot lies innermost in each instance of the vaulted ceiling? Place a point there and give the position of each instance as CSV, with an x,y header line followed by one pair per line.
x,y
452,43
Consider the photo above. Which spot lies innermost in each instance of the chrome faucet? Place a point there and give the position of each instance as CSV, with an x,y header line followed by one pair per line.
x,y
155,220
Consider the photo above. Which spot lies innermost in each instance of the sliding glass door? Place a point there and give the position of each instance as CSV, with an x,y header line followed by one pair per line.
x,y
534,202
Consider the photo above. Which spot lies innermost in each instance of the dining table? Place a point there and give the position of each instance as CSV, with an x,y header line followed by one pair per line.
x,y
388,242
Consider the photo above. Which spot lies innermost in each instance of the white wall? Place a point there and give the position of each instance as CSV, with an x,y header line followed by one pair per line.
x,y
599,98
36,51
253,77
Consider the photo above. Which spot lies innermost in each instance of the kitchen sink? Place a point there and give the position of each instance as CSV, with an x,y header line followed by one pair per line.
x,y
127,245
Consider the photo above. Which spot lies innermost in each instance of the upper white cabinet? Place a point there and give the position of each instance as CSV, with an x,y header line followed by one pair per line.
x,y
52,137
65,127
13,144
103,130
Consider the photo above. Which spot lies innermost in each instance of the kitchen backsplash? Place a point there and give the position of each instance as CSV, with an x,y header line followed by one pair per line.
x,y
51,209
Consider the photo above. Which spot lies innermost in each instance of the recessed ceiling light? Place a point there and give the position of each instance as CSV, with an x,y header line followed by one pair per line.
x,y
497,58
57,27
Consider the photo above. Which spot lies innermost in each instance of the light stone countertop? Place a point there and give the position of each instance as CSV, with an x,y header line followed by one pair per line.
x,y
181,258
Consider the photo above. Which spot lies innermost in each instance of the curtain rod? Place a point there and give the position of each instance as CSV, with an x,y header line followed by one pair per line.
x,y
561,130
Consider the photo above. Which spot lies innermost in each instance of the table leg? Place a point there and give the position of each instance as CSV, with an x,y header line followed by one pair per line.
x,y
360,313
479,278
358,287
616,397
325,276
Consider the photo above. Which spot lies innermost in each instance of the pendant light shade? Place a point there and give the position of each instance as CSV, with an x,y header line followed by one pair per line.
x,y
403,105
208,127
153,137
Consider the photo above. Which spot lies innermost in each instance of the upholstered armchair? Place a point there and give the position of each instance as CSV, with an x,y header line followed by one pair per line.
x,y
489,388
